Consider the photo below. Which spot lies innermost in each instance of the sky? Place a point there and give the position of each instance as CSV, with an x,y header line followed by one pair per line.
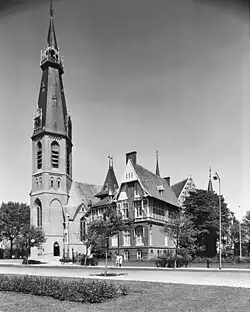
x,y
166,75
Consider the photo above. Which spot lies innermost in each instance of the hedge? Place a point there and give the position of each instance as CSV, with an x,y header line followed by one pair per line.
x,y
78,290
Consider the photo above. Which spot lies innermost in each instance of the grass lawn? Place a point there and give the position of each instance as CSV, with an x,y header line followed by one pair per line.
x,y
143,296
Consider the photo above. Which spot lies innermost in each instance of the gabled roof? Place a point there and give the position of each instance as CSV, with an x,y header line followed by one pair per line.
x,y
178,187
150,182
81,194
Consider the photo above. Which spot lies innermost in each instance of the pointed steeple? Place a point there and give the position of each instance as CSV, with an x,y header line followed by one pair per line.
x,y
157,172
210,185
52,116
110,184
51,40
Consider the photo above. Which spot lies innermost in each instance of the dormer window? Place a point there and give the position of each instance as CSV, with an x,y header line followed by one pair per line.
x,y
160,188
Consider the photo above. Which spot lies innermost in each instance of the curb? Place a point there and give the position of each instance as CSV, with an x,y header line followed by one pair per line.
x,y
124,268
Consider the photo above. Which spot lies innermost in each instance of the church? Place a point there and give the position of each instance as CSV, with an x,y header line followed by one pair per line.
x,y
60,205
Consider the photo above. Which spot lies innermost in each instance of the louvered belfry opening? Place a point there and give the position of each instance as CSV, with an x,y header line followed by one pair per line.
x,y
55,154
39,155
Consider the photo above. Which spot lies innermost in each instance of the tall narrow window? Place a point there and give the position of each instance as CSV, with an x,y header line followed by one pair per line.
x,y
51,182
38,212
39,155
68,160
55,154
58,183
83,229
139,235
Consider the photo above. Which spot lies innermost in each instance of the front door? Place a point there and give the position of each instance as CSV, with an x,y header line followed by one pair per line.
x,y
56,249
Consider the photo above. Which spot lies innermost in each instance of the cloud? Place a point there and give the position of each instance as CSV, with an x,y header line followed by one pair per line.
x,y
9,7
238,7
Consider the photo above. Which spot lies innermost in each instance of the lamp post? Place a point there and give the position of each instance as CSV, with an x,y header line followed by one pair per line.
x,y
216,177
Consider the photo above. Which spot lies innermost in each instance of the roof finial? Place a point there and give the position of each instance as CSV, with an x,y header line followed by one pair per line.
x,y
157,172
51,9
210,185
110,161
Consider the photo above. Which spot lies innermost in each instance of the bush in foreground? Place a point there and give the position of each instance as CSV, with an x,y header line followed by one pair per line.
x,y
31,261
79,291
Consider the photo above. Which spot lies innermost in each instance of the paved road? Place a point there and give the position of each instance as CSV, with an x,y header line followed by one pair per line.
x,y
231,279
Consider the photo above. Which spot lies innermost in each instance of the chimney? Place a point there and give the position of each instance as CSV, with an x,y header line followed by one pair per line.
x,y
167,179
131,156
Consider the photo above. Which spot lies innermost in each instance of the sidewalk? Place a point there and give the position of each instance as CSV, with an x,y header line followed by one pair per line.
x,y
18,263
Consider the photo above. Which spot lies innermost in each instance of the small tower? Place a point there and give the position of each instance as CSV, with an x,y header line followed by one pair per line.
x,y
51,149
110,184
210,185
157,172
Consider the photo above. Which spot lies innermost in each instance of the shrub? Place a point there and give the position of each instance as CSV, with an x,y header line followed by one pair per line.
x,y
32,261
242,260
80,291
67,260
90,261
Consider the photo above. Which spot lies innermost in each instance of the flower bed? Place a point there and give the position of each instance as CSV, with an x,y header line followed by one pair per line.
x,y
77,290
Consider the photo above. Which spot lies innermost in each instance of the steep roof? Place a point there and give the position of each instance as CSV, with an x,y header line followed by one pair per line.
x,y
151,182
110,184
51,39
178,187
81,194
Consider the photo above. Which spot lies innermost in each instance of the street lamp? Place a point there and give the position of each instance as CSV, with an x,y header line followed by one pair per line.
x,y
216,177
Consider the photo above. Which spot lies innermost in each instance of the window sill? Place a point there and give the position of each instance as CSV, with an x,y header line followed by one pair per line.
x,y
139,244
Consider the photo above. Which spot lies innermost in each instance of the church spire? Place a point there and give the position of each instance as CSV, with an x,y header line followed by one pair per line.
x,y
52,116
51,40
157,172
210,185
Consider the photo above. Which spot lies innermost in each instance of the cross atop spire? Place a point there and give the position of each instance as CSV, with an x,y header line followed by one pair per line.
x,y
210,185
157,172
110,161
51,9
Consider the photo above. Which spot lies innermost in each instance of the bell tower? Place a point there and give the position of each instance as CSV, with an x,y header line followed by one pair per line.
x,y
51,149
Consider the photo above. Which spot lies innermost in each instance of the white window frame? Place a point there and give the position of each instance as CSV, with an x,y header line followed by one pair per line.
x,y
139,238
126,238
138,208
114,240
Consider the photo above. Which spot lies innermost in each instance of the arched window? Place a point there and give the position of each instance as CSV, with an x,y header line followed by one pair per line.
x,y
38,212
40,182
55,154
51,182
37,183
58,183
83,229
39,155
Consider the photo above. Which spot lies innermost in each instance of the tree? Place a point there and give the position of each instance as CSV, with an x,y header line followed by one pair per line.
x,y
245,233
13,216
181,231
102,229
30,236
202,208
